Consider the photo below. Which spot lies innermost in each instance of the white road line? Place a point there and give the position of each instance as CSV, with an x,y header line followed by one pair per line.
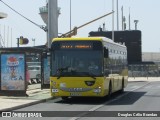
x,y
134,87
148,87
99,106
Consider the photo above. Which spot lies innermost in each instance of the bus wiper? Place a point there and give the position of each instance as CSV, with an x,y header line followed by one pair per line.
x,y
91,75
60,70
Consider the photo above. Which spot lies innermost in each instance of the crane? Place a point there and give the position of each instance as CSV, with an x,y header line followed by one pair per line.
x,y
74,31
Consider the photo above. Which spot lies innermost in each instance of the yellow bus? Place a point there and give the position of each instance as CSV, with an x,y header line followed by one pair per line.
x,y
91,66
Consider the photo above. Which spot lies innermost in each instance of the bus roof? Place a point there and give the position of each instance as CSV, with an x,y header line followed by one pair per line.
x,y
102,39
78,38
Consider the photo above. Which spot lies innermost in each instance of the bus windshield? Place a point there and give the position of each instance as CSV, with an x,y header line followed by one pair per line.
x,y
77,63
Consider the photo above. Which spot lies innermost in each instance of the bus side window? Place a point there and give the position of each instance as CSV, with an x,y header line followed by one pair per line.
x,y
105,53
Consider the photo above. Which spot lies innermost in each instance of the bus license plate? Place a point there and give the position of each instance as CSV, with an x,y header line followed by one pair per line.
x,y
75,94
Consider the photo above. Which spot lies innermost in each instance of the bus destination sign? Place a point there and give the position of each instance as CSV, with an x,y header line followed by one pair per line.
x,y
76,46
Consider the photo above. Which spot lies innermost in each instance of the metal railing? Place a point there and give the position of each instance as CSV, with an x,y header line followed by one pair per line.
x,y
144,70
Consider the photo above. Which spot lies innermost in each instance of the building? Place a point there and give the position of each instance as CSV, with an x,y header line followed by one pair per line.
x,y
151,56
132,40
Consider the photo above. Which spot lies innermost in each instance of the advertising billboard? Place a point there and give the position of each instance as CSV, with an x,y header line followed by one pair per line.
x,y
13,72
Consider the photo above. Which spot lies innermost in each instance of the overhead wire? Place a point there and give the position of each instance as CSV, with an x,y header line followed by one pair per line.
x,y
40,26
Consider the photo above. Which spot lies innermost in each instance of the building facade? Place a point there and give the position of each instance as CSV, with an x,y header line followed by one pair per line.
x,y
151,56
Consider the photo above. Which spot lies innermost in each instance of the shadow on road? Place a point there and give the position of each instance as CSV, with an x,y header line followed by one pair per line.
x,y
116,99
128,99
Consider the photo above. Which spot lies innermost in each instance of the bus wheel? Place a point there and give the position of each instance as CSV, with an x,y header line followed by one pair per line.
x,y
64,98
122,89
110,90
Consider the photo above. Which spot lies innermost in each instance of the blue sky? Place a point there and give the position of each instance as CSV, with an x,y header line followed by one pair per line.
x,y
146,11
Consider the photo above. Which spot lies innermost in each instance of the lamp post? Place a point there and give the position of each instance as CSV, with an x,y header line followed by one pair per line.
x,y
113,20
70,16
33,41
136,22
129,20
122,18
117,17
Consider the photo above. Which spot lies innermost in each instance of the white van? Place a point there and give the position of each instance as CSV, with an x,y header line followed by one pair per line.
x,y
34,63
35,72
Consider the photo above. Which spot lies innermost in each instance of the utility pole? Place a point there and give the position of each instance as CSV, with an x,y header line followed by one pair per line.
x,y
18,42
34,40
4,37
7,36
122,18
52,21
11,37
113,20
129,20
136,22
70,16
117,17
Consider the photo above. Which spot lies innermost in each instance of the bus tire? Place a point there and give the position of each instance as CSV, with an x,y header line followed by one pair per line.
x,y
110,90
64,98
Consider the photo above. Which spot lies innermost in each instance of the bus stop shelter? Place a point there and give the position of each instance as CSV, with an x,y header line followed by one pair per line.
x,y
13,69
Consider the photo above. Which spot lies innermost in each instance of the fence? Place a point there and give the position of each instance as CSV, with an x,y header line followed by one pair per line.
x,y
144,70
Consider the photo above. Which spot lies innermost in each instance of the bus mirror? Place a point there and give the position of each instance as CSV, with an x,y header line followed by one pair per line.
x,y
105,53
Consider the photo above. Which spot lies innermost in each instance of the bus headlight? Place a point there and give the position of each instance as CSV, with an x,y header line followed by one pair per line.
x,y
97,90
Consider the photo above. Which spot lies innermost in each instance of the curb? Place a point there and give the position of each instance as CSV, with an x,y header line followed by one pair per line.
x,y
26,105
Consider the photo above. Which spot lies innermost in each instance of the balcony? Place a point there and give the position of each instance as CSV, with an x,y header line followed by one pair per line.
x,y
43,9
44,13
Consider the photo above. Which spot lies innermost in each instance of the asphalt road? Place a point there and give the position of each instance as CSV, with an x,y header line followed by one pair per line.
x,y
137,99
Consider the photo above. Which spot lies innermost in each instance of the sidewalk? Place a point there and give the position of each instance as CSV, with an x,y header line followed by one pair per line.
x,y
132,79
36,95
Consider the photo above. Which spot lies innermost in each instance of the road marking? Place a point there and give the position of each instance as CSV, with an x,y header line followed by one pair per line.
x,y
148,87
134,87
100,106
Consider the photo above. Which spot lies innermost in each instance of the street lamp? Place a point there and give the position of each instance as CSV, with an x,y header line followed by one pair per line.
x,y
117,17
70,15
122,18
33,41
136,22
113,20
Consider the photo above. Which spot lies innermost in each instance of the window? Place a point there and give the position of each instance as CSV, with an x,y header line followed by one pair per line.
x,y
76,62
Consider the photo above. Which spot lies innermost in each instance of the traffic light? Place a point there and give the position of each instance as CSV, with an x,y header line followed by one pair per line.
x,y
75,31
23,41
